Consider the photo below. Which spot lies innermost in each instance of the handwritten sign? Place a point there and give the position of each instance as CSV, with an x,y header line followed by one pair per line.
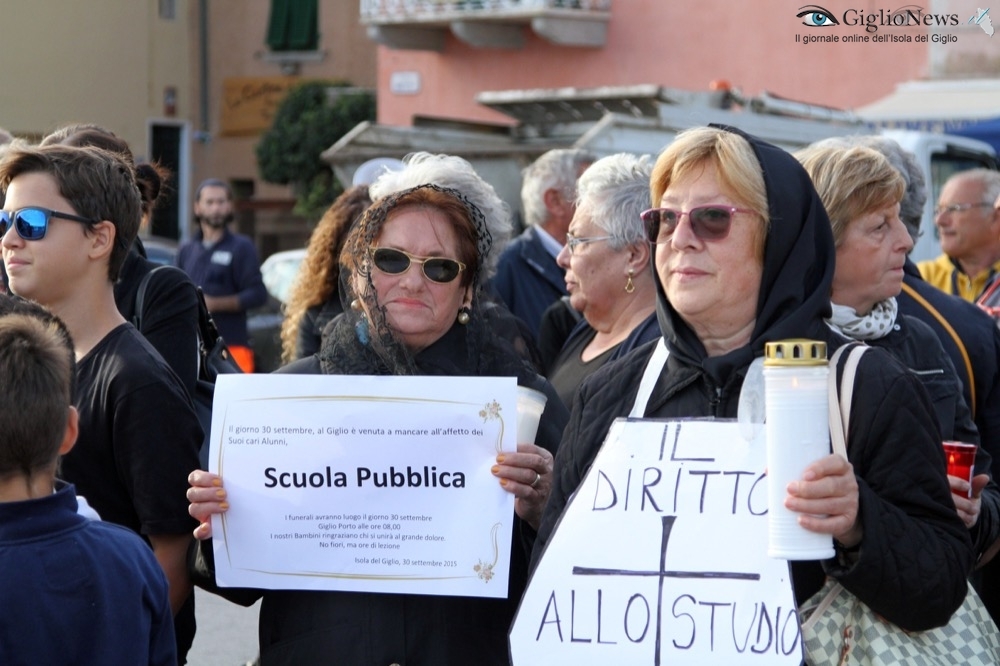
x,y
661,558
249,104
374,484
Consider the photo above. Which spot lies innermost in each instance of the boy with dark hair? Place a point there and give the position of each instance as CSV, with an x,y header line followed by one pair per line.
x,y
74,590
70,216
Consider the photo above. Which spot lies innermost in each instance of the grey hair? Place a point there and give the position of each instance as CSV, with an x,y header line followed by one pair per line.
x,y
455,173
911,208
556,169
988,178
614,190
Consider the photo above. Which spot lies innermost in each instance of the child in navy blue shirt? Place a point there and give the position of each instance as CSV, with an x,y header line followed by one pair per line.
x,y
75,591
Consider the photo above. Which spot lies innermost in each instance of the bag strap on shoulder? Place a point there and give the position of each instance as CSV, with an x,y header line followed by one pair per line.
x,y
140,295
955,337
654,367
208,332
840,407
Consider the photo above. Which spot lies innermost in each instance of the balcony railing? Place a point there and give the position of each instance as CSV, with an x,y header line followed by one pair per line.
x,y
423,24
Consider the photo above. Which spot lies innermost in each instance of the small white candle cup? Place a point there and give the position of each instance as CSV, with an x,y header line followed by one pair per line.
x,y
798,434
530,405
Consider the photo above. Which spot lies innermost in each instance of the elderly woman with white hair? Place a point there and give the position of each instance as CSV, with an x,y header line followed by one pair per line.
x,y
608,275
412,271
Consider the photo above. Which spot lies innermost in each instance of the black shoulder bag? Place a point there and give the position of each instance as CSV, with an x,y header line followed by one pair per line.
x,y
214,358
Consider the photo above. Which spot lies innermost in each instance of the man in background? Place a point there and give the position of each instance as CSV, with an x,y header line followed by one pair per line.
x,y
225,265
528,279
969,225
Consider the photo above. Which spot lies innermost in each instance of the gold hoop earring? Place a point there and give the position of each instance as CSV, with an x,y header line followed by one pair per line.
x,y
463,316
629,286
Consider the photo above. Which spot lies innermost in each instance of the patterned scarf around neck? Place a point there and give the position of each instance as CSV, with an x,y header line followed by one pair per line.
x,y
876,324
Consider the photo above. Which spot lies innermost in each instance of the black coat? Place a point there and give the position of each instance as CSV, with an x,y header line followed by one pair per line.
x,y
528,279
309,337
972,340
918,348
977,361
915,554
170,312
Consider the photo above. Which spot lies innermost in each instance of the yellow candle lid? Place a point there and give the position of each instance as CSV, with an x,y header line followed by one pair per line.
x,y
794,352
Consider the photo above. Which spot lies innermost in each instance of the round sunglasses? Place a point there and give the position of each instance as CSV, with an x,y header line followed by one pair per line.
x,y
396,262
32,222
709,223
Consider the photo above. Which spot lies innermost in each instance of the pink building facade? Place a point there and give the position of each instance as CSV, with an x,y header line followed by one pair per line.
x,y
849,55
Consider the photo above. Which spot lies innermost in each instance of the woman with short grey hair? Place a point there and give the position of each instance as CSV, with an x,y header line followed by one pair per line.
x,y
606,258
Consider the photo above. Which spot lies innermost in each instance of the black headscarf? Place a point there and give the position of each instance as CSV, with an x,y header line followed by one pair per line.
x,y
799,255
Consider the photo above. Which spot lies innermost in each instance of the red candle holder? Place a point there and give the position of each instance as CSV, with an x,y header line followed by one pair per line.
x,y
961,458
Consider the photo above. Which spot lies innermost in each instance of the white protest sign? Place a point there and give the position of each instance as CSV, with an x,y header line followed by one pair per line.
x,y
661,558
375,484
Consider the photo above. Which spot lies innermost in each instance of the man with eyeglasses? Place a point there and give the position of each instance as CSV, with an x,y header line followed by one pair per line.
x,y
969,227
70,216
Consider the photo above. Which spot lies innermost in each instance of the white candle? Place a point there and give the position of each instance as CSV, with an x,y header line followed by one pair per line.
x,y
797,431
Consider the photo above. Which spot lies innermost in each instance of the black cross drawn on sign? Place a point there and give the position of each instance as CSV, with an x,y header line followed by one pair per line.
x,y
662,574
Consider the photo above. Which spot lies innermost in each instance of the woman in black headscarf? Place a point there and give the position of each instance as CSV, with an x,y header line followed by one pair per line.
x,y
744,255
412,270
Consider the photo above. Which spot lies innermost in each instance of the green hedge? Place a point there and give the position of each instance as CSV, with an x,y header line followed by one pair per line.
x,y
305,125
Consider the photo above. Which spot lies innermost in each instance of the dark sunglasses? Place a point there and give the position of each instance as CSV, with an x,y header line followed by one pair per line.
x,y
436,269
709,223
31,223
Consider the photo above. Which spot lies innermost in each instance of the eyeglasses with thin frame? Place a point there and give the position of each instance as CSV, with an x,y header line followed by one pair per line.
x,y
573,242
32,222
959,207
396,262
709,223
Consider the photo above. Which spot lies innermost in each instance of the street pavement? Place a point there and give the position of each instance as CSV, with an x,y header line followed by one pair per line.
x,y
227,632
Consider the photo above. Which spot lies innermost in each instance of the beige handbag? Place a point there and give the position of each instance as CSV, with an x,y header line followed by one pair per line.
x,y
838,628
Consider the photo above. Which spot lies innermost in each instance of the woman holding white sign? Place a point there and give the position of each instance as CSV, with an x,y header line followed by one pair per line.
x,y
744,255
412,270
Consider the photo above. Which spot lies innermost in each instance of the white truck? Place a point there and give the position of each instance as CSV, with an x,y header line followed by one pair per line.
x,y
639,119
